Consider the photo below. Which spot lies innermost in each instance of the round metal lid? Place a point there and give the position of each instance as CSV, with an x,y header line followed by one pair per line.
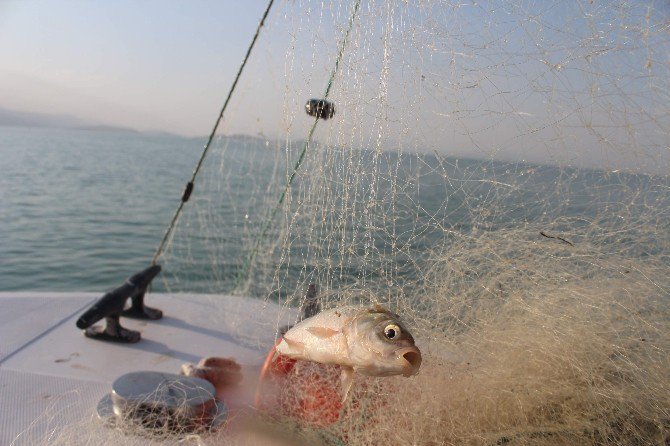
x,y
165,389
173,402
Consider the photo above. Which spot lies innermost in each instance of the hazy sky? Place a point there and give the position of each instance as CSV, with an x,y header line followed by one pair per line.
x,y
146,64
562,81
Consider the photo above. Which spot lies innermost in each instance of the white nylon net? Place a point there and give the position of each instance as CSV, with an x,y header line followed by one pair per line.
x,y
422,91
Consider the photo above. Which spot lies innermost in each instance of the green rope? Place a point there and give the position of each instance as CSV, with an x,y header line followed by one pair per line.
x,y
247,265
189,186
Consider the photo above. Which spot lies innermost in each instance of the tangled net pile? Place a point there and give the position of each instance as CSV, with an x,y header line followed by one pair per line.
x,y
496,173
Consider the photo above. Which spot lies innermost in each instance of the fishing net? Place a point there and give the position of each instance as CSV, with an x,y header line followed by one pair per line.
x,y
451,120
495,173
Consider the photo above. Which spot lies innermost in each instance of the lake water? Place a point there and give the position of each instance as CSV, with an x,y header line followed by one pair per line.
x,y
77,207
82,210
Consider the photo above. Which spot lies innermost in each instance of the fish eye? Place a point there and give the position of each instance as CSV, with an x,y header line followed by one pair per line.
x,y
392,331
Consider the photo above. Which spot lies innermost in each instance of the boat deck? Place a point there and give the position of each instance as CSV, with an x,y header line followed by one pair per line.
x,y
51,375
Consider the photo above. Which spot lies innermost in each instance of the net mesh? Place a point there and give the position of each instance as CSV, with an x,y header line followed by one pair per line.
x,y
496,173
451,119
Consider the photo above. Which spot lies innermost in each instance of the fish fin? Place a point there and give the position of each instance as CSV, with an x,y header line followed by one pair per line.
x,y
347,379
294,347
322,332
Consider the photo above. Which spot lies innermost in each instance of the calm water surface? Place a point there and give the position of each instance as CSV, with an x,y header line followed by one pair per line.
x,y
82,210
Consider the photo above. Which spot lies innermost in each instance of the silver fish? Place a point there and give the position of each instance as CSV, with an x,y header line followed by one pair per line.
x,y
370,341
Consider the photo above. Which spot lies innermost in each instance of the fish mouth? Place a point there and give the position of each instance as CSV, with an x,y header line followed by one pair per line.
x,y
412,360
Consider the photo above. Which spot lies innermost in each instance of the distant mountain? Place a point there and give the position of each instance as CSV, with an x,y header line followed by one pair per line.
x,y
107,128
28,119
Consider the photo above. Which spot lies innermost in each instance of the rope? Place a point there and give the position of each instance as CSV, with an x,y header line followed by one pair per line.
x,y
189,186
247,265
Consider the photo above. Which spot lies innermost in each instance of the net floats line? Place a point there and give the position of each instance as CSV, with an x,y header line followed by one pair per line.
x,y
268,222
189,186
